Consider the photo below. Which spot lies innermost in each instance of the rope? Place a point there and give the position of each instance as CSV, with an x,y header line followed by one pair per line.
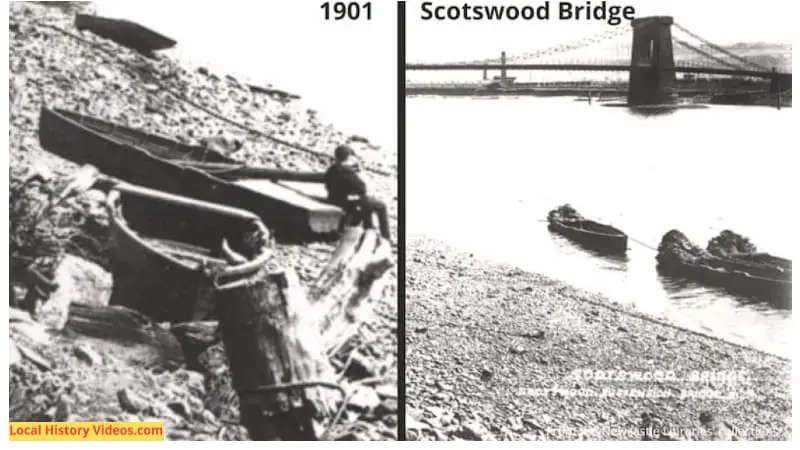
x,y
294,385
689,46
574,45
205,109
642,243
720,49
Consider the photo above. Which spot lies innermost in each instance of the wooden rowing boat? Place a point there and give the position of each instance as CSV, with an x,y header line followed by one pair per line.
x,y
757,275
199,157
593,235
125,33
164,249
167,165
565,221
776,289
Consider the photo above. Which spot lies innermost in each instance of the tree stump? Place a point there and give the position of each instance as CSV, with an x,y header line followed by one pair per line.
x,y
275,336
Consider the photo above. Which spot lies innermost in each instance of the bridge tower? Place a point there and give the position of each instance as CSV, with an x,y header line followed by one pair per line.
x,y
652,78
503,67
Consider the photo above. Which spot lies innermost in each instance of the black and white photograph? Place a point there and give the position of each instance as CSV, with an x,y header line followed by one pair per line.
x,y
203,221
598,220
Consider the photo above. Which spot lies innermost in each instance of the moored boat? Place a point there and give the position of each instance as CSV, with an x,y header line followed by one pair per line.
x,y
125,33
739,250
165,249
192,171
566,221
765,277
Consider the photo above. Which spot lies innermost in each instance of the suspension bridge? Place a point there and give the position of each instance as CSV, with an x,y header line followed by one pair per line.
x,y
659,51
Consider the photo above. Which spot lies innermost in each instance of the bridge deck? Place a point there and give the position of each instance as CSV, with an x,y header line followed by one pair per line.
x,y
588,67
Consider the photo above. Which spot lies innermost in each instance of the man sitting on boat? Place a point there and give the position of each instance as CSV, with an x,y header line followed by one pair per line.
x,y
347,190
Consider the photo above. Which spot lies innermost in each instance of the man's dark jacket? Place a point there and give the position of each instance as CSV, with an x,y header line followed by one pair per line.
x,y
342,181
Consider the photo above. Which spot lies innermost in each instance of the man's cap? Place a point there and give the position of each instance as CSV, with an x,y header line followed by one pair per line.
x,y
343,152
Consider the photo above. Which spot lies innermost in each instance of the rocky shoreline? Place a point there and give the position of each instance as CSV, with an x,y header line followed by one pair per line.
x,y
57,374
495,353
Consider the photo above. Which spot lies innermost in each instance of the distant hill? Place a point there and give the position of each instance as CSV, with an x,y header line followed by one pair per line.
x,y
764,54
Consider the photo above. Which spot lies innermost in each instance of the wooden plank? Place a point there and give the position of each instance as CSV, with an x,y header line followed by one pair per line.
x,y
287,195
316,191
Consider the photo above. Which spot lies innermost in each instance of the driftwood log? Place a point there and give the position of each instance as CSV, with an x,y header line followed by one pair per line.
x,y
276,334
135,335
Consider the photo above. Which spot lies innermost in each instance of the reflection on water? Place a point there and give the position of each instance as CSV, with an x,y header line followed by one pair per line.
x,y
482,175
604,260
655,110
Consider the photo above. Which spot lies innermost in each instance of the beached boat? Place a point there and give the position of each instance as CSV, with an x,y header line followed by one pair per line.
x,y
163,248
593,235
193,171
125,33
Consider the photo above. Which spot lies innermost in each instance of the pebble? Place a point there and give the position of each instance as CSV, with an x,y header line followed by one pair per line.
x,y
387,406
473,431
194,381
179,435
125,417
181,408
535,335
386,390
442,385
364,399
13,354
89,355
130,401
209,417
517,349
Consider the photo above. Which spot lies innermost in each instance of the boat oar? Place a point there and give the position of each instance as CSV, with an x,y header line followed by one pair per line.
x,y
89,177
234,171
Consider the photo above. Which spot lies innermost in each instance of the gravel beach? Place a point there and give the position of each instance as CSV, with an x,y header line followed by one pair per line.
x,y
495,353
49,66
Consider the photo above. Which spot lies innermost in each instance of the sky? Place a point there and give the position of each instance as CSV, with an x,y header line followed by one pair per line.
x,y
344,70
718,21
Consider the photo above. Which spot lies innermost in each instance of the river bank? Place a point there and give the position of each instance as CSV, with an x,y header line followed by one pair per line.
x,y
54,64
492,353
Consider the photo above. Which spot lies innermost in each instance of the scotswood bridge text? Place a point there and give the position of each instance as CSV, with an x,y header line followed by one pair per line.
x,y
612,14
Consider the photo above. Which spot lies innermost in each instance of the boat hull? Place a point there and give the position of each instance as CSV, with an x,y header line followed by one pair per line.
x,y
160,252
611,241
289,214
775,291
125,33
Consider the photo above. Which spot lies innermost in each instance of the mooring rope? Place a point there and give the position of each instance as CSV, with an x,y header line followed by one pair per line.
x,y
205,109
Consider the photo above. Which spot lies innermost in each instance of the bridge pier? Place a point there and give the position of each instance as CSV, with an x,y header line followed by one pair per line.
x,y
503,69
652,76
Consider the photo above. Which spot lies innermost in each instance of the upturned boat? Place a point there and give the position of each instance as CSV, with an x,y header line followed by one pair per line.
x,y
125,33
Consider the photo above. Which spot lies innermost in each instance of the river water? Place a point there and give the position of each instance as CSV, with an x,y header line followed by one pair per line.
x,y
483,173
